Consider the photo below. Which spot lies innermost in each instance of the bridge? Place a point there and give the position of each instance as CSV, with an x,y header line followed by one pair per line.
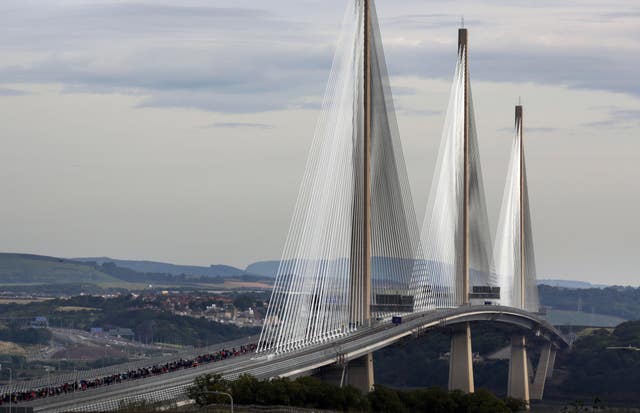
x,y
310,360
356,259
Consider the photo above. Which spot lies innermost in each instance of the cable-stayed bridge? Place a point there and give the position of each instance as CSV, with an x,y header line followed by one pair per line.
x,y
356,257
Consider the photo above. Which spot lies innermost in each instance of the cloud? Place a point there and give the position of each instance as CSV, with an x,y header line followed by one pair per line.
x,y
12,92
241,59
417,112
616,117
527,129
612,71
425,21
239,125
52,25
215,80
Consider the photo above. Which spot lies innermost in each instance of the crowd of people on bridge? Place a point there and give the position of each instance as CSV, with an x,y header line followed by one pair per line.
x,y
140,373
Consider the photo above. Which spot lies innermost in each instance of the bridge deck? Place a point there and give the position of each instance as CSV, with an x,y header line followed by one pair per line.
x,y
301,361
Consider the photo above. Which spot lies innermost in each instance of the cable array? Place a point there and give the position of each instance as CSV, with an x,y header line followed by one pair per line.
x,y
312,297
438,272
508,248
321,285
395,230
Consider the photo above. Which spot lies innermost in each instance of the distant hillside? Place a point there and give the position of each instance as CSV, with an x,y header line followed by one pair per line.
x,y
623,302
52,275
579,318
577,285
154,267
380,267
38,269
264,268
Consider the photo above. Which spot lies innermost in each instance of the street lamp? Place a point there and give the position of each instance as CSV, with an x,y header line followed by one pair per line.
x,y
221,393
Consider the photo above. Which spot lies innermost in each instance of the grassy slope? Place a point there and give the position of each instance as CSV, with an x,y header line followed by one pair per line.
x,y
36,269
575,318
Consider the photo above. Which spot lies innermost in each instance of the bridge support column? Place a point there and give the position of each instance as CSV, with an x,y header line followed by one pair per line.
x,y
360,373
545,367
518,370
552,362
461,361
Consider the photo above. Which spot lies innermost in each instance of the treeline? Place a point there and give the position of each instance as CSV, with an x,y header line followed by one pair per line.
x,y
160,326
312,393
148,325
616,301
604,364
66,289
18,332
404,364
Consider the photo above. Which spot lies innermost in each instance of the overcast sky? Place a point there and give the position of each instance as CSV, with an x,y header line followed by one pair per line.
x,y
179,130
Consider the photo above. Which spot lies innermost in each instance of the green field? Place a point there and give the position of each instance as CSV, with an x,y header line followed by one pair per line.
x,y
20,269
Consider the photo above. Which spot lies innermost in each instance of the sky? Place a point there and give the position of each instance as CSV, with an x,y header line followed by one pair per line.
x,y
178,130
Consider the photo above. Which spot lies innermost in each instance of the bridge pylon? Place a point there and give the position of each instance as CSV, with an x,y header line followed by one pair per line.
x,y
353,237
517,271
360,371
461,355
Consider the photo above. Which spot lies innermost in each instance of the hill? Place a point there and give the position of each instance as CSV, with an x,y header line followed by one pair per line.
x,y
604,364
379,266
155,267
38,269
623,302
264,268
579,318
576,285
51,275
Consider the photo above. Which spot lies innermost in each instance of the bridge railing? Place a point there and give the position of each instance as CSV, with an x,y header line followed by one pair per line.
x,y
58,379
177,394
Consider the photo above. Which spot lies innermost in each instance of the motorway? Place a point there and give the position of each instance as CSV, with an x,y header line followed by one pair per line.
x,y
298,362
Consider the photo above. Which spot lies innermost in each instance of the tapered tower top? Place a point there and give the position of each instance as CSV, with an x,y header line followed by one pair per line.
x,y
518,115
462,37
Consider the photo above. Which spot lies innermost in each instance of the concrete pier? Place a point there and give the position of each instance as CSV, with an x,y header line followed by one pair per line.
x,y
519,370
544,370
360,373
461,361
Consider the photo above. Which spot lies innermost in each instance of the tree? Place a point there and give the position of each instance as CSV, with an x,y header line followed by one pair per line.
x,y
244,301
208,383
385,400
